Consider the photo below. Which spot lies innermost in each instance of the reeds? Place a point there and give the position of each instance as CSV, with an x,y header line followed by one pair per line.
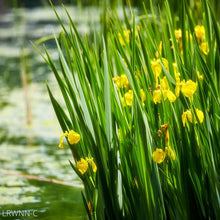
x,y
144,107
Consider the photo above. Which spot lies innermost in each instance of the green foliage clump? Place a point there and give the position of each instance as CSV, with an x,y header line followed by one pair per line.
x,y
142,114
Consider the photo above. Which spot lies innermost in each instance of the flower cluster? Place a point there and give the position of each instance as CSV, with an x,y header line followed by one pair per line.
x,y
122,82
200,36
83,164
163,90
188,116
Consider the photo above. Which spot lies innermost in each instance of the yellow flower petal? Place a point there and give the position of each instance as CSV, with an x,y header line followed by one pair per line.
x,y
61,139
184,118
143,96
82,166
204,47
159,155
200,115
156,67
73,137
128,98
94,167
157,96
177,90
187,115
178,34
199,32
188,88
171,97
121,81
164,83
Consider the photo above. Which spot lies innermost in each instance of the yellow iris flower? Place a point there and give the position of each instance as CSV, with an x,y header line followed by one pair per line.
x,y
187,116
204,47
82,165
188,88
159,155
199,32
128,98
72,137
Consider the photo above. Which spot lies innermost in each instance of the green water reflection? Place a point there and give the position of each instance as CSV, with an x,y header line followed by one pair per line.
x,y
49,201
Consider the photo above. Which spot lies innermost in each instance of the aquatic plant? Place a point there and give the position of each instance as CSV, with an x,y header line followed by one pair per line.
x,y
142,114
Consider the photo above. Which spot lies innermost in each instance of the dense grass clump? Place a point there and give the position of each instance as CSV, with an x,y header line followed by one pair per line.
x,y
142,114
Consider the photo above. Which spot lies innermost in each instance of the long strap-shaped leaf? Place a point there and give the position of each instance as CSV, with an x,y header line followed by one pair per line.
x,y
108,112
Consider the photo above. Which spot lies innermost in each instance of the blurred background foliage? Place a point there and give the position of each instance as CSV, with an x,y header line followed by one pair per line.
x,y
139,3
174,5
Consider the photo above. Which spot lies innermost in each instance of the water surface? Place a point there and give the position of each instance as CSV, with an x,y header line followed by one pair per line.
x,y
32,149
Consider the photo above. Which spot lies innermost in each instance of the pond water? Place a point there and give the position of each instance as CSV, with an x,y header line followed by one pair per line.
x,y
29,130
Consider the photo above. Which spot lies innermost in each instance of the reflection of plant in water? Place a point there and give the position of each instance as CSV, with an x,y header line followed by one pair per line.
x,y
139,119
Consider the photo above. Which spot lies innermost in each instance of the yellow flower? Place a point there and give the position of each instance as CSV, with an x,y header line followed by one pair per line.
x,y
177,90
171,152
94,167
187,115
178,34
178,84
126,37
121,81
177,77
157,96
73,137
128,98
124,81
200,115
117,81
143,96
164,83
82,166
199,32
156,67
167,93
159,155
204,47
188,88
170,95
